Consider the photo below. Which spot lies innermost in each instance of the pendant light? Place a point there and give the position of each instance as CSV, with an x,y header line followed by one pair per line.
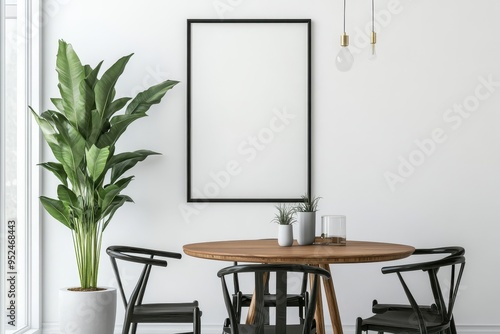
x,y
344,58
373,38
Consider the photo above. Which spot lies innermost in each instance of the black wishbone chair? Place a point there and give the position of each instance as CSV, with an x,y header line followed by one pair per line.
x,y
138,312
414,318
281,323
243,300
451,251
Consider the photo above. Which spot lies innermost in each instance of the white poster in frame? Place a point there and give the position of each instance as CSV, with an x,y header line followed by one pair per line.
x,y
248,110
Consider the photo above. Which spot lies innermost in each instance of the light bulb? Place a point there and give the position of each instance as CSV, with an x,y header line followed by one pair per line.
x,y
373,41
373,53
344,59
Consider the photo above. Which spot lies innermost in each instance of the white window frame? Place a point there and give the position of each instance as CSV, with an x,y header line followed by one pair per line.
x,y
2,159
29,34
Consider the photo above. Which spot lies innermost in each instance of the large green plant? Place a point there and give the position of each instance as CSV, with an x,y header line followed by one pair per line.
x,y
82,134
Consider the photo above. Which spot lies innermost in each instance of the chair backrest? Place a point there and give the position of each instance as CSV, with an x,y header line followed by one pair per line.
x,y
444,306
137,255
451,250
236,281
298,299
281,271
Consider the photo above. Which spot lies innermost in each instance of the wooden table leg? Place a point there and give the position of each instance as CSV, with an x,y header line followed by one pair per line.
x,y
251,312
251,308
331,299
318,314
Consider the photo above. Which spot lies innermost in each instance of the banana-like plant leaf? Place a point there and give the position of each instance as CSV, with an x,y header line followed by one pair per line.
x,y
121,157
107,194
57,210
117,202
71,73
87,86
118,125
115,106
87,69
72,146
105,88
56,149
153,95
52,117
82,184
87,99
58,103
96,161
91,74
96,128
122,162
50,134
48,130
57,169
86,106
71,142
67,196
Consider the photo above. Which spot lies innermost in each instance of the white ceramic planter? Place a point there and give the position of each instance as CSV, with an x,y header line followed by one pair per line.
x,y
92,312
306,227
285,235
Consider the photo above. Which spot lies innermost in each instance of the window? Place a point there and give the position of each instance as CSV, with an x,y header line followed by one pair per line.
x,y
19,154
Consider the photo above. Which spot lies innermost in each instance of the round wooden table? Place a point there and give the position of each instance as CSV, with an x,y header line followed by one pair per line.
x,y
268,251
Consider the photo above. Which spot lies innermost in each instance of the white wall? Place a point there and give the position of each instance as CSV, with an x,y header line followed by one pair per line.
x,y
432,56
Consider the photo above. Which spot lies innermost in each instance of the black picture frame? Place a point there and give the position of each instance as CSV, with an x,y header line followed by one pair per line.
x,y
248,110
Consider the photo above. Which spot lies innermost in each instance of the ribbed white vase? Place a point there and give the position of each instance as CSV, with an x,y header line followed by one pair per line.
x,y
92,312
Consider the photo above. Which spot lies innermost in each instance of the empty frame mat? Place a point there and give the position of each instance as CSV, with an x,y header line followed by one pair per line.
x,y
248,110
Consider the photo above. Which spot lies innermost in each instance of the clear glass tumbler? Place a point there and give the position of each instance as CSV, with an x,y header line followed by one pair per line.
x,y
333,230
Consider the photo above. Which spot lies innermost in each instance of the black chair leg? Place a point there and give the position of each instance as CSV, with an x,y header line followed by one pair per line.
x,y
358,325
453,329
126,327
134,327
226,324
197,321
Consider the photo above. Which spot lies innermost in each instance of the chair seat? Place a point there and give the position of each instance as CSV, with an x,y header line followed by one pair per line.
x,y
382,308
165,312
268,329
405,320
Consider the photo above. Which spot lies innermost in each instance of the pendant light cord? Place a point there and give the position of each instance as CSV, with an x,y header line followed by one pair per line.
x,y
344,16
373,15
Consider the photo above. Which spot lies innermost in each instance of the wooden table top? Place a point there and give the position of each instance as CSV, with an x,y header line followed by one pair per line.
x,y
268,251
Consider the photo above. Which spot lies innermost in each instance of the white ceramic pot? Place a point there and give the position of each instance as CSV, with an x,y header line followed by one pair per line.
x,y
306,227
285,235
92,312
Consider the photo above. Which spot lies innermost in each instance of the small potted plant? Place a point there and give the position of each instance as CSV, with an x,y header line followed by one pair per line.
x,y
285,218
306,219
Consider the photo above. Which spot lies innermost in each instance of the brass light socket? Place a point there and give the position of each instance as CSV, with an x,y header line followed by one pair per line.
x,y
344,40
373,38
